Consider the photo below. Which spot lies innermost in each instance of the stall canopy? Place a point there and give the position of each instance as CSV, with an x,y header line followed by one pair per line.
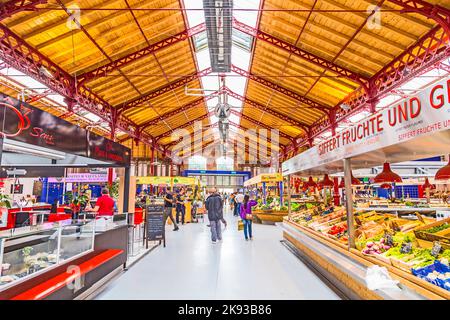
x,y
264,177
32,137
415,128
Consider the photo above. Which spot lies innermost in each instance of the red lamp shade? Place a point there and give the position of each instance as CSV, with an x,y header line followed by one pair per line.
x,y
355,181
387,175
443,173
327,182
311,183
427,184
386,186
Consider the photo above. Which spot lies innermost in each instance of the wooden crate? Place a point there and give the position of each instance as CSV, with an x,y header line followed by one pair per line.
x,y
442,236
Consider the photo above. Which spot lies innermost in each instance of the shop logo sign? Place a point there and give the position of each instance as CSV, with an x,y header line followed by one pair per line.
x,y
24,123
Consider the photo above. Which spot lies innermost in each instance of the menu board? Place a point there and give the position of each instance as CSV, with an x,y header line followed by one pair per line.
x,y
155,223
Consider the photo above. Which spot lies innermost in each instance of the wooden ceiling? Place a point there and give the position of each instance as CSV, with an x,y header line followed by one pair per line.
x,y
334,30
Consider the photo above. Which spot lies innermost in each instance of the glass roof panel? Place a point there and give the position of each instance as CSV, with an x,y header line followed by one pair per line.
x,y
194,17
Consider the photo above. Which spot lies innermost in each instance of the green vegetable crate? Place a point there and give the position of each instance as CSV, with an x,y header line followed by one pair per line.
x,y
436,231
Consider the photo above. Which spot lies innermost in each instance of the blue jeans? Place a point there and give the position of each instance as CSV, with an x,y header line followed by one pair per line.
x,y
216,231
180,210
247,228
237,209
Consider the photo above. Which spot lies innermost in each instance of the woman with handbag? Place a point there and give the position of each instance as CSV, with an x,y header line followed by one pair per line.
x,y
246,216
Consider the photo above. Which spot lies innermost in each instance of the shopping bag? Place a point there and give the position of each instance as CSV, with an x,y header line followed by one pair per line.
x,y
249,216
240,225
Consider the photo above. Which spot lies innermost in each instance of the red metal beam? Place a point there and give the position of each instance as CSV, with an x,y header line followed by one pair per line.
x,y
174,112
150,49
294,95
171,86
21,56
262,125
185,125
270,111
422,56
9,8
436,12
312,58
248,147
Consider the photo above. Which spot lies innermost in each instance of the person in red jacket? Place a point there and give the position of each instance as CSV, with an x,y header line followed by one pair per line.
x,y
105,204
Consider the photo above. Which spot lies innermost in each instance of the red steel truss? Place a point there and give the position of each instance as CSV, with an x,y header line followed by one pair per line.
x,y
270,111
436,12
173,85
174,112
248,147
262,125
312,58
424,55
278,88
21,56
186,125
9,8
151,49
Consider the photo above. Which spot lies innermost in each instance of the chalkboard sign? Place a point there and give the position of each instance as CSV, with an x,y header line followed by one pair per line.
x,y
406,247
155,223
436,249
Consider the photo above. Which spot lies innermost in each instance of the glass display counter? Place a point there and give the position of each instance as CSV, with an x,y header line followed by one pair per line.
x,y
28,252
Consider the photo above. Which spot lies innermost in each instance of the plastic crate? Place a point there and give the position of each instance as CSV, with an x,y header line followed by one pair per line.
x,y
436,266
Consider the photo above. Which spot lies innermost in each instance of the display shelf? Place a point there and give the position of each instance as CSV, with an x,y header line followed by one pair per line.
x,y
340,263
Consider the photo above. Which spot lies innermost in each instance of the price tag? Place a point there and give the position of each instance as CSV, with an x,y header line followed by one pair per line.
x,y
388,240
436,249
406,247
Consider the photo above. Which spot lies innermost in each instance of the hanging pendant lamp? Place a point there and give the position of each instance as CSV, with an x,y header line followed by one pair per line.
x,y
386,186
311,183
355,181
387,175
443,173
327,182
427,184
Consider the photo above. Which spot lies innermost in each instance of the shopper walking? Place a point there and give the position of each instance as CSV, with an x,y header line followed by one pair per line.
x,y
181,208
168,205
239,198
233,203
246,216
214,208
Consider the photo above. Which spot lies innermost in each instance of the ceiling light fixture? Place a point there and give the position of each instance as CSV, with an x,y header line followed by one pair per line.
x,y
387,175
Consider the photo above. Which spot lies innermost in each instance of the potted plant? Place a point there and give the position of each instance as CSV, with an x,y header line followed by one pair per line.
x,y
75,202
5,204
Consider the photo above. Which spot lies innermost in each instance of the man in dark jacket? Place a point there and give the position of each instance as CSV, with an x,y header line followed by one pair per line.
x,y
214,207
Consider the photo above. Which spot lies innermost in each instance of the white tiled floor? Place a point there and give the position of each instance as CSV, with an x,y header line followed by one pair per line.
x,y
191,267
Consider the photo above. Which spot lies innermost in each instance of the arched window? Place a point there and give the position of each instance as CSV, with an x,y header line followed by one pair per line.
x,y
225,163
197,163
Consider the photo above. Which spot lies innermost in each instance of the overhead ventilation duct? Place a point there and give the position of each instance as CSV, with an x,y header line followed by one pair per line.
x,y
218,17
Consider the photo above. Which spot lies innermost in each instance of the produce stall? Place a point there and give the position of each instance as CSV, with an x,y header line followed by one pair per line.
x,y
414,248
190,183
271,206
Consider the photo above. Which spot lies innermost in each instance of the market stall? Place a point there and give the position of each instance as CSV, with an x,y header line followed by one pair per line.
x,y
190,184
413,248
36,144
39,242
269,189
